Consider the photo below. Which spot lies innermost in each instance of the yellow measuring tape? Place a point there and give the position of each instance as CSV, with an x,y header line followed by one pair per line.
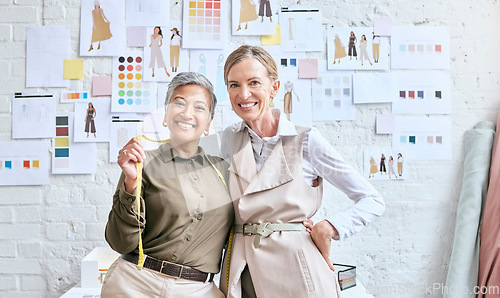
x,y
138,166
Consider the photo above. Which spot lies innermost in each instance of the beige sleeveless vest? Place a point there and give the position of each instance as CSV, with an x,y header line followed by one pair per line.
x,y
286,264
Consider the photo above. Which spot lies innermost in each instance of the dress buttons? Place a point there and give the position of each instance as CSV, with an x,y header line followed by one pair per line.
x,y
199,216
188,237
174,257
195,178
202,196
130,199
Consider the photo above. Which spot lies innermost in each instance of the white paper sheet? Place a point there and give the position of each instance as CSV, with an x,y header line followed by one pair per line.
x,y
371,87
423,138
294,98
69,157
101,120
102,28
24,163
420,47
130,93
33,115
210,63
123,128
205,24
357,55
166,58
301,29
137,36
384,164
251,17
147,12
332,96
421,92
46,49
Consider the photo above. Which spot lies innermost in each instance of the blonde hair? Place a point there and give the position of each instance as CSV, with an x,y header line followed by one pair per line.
x,y
245,52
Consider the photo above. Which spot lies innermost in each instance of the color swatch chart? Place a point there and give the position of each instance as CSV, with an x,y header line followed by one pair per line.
x,y
24,163
73,96
203,23
18,164
332,97
421,139
420,48
420,94
130,93
61,142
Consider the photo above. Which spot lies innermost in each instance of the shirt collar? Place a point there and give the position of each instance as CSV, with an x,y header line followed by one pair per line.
x,y
285,127
168,154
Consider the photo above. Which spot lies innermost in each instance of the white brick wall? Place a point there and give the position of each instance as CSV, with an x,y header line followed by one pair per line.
x,y
45,231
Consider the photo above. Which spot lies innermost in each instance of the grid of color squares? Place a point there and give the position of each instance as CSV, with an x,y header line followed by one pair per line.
x,y
19,164
339,91
131,89
421,140
420,48
61,142
75,95
205,20
419,94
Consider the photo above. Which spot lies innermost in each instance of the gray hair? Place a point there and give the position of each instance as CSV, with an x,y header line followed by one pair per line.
x,y
187,78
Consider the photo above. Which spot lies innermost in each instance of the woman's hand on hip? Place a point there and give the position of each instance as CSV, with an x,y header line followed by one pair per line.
x,y
128,156
322,234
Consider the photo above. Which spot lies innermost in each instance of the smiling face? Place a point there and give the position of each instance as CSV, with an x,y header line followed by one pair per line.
x,y
250,89
188,114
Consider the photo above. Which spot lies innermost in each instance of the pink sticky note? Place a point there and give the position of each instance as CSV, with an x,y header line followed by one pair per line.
x,y
308,68
385,124
101,85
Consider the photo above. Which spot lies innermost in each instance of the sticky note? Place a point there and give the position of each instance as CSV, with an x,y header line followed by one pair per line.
x,y
382,26
73,69
385,124
308,68
101,85
272,39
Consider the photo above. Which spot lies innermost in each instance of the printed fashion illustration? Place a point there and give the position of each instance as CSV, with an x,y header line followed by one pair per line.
x,y
339,49
175,48
362,50
352,46
100,26
89,120
288,99
248,13
156,55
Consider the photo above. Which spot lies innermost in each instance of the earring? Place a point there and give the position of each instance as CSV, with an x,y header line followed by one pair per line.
x,y
164,123
206,132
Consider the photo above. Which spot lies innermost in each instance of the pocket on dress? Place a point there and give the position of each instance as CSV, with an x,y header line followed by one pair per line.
x,y
305,271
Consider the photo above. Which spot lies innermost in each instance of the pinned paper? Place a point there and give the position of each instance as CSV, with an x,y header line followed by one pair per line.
x,y
136,36
308,68
382,26
272,39
73,69
385,124
101,85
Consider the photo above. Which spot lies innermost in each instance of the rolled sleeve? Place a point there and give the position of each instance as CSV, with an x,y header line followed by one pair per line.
x,y
328,164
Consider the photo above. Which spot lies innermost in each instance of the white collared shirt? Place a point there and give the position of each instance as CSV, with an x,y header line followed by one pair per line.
x,y
320,159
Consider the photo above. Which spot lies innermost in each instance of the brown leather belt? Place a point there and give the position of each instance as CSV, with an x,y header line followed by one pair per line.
x,y
170,269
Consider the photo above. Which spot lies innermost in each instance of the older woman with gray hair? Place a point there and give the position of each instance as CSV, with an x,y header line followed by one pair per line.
x,y
185,212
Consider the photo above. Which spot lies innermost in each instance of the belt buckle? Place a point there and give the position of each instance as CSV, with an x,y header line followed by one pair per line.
x,y
176,277
245,228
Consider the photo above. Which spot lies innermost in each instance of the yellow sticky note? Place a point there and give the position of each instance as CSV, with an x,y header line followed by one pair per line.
x,y
272,39
73,69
